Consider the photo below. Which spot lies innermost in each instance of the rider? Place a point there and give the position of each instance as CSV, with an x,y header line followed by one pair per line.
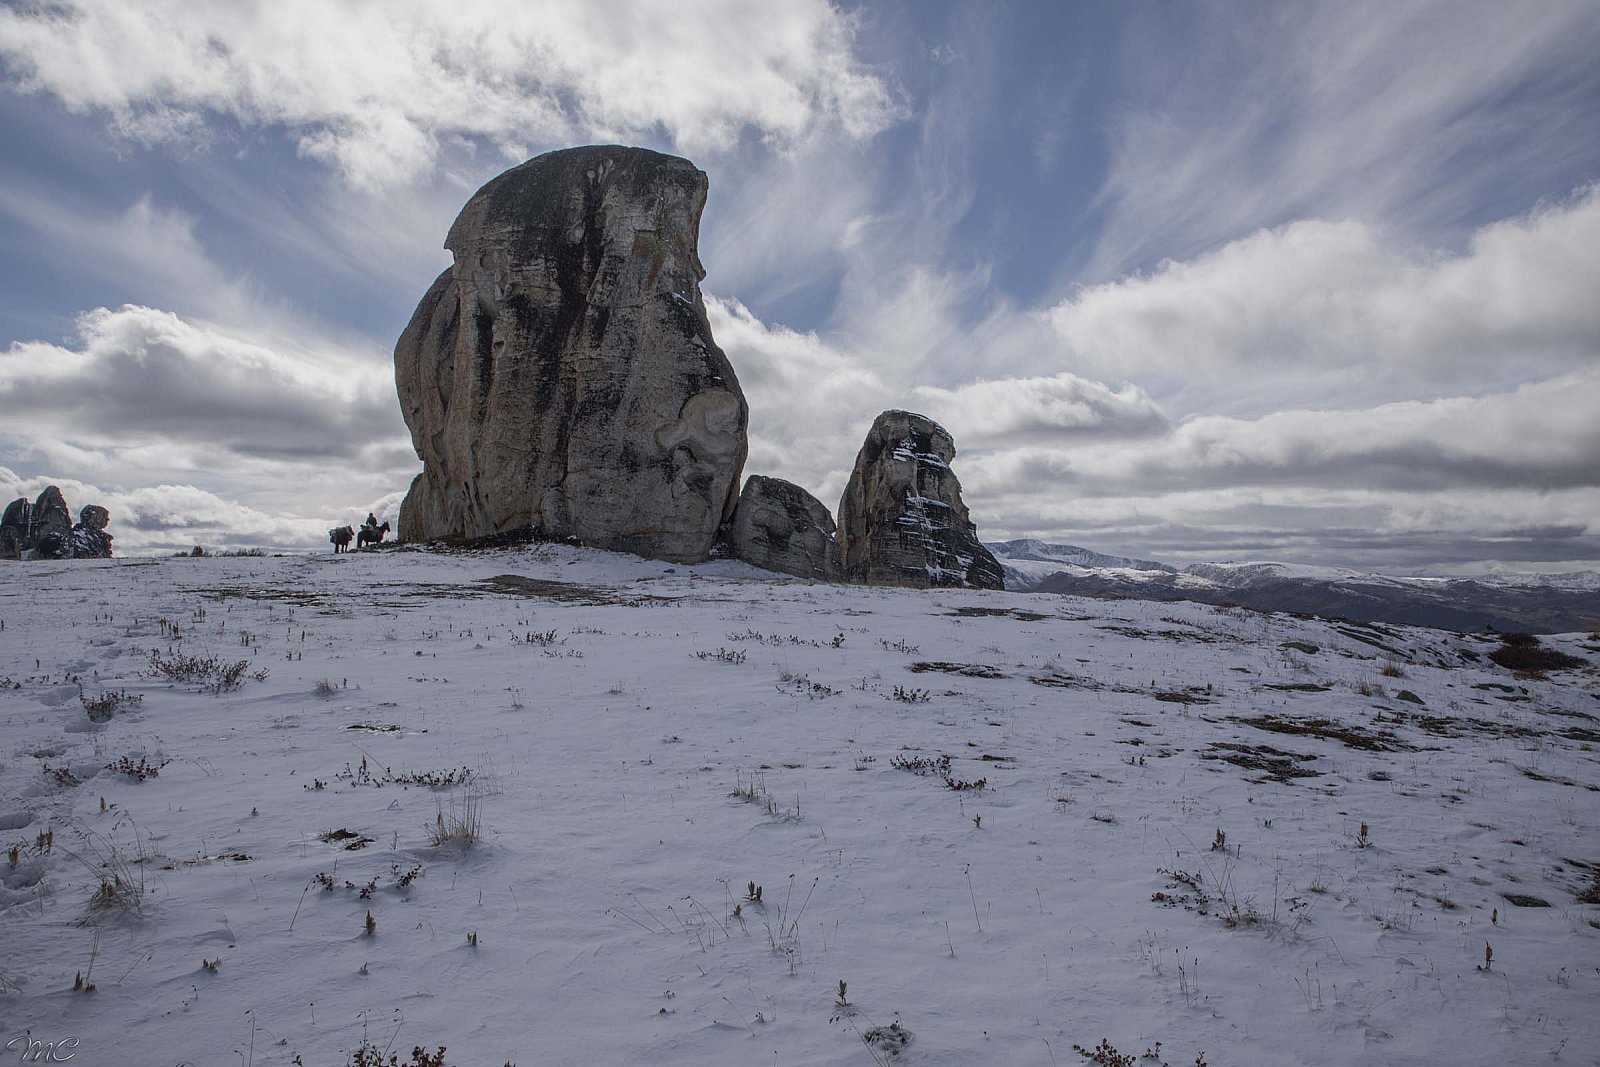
x,y
372,521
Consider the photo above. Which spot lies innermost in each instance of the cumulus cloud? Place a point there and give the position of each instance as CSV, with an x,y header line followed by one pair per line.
x,y
375,89
169,518
1539,437
1016,410
1314,297
192,428
1514,475
139,374
810,402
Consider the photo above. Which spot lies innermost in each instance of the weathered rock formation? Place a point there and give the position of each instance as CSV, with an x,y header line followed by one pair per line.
x,y
561,377
780,527
901,519
44,529
89,537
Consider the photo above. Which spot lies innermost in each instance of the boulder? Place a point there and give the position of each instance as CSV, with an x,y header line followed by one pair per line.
x,y
45,530
780,527
14,528
561,378
52,525
89,537
901,519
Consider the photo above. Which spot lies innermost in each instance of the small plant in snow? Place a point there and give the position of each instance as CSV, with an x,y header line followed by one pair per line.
x,y
722,655
922,764
372,1056
891,1040
461,826
137,771
101,708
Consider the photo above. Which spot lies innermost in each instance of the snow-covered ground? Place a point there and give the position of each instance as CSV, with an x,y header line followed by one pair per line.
x,y
1255,839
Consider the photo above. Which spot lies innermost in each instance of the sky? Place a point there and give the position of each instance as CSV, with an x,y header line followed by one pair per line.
x,y
1317,283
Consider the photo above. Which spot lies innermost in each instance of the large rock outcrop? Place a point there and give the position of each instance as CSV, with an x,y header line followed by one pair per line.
x,y
44,529
901,519
780,527
561,377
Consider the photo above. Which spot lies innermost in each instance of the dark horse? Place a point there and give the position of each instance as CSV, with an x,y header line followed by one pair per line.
x,y
371,535
341,537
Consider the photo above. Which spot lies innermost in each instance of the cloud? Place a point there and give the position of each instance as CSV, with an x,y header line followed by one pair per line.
x,y
375,89
143,245
237,437
168,518
1315,298
810,402
1415,114
1539,437
1013,410
138,374
1514,475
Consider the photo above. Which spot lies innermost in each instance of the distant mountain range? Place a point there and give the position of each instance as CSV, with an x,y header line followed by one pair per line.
x,y
1534,603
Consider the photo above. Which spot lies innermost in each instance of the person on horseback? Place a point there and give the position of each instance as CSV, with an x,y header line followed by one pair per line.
x,y
372,521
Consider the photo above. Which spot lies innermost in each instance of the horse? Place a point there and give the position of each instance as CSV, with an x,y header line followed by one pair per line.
x,y
371,535
341,536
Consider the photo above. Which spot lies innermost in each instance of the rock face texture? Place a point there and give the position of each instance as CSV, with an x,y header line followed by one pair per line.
x,y
780,527
44,529
561,377
901,519
52,525
89,537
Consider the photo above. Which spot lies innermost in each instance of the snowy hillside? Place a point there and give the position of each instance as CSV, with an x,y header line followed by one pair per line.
x,y
1028,562
1541,603
555,806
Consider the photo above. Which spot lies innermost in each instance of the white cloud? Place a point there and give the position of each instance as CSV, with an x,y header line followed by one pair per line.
x,y
1472,477
1315,297
375,88
167,518
140,374
1541,437
1413,113
1010,410
810,403
147,398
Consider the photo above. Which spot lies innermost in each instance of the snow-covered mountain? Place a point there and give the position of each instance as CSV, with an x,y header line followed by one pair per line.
x,y
1027,562
1537,603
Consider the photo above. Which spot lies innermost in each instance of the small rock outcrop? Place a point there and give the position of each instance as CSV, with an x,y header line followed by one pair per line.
x,y
778,526
89,537
44,529
901,519
561,378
